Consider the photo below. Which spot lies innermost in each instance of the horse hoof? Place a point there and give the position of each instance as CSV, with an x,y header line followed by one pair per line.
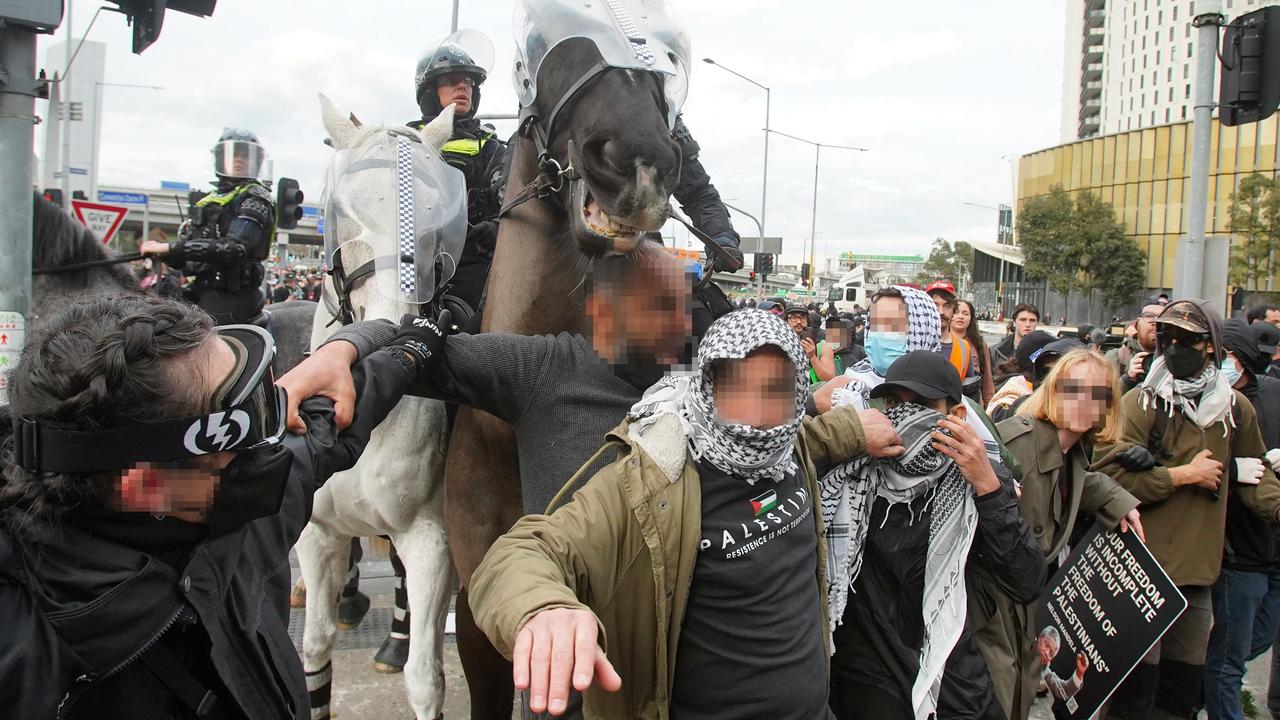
x,y
392,656
298,595
352,609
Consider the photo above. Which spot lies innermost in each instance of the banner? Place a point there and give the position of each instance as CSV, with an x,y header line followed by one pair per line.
x,y
1108,604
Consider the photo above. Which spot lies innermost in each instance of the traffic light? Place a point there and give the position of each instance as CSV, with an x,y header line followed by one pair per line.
x,y
54,195
147,16
1249,87
288,204
766,263
804,273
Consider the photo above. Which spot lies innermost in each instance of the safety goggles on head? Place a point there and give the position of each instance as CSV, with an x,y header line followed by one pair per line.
x,y
1172,334
250,414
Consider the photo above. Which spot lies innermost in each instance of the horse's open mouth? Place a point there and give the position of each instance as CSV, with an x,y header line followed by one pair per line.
x,y
600,228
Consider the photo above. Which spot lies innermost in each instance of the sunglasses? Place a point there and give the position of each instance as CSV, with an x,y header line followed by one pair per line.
x,y
1076,388
1170,334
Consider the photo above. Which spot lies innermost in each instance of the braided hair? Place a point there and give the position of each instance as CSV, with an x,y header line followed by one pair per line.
x,y
101,363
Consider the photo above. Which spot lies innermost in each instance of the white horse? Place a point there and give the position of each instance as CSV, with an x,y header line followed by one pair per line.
x,y
397,487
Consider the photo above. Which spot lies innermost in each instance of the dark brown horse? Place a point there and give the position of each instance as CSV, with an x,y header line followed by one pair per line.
x,y
628,165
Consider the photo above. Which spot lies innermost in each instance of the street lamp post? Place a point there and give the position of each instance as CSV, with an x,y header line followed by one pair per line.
x,y
813,227
764,179
759,229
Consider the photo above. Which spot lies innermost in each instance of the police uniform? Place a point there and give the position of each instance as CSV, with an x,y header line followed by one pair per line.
x,y
230,234
474,149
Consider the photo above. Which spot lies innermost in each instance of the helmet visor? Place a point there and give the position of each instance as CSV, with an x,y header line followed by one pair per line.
x,y
238,159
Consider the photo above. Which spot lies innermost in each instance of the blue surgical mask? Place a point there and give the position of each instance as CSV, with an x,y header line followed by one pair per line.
x,y
883,348
1230,371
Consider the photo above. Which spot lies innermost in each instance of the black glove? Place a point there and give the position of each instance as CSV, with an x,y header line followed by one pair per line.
x,y
717,263
483,236
1136,459
422,341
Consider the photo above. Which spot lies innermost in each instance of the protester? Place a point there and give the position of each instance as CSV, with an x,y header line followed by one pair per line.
x,y
1182,426
142,562
1003,356
1269,314
1132,360
901,534
952,344
978,383
712,466
1020,385
1074,406
1246,595
844,353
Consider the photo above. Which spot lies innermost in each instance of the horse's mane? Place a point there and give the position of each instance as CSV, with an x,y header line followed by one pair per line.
x,y
57,241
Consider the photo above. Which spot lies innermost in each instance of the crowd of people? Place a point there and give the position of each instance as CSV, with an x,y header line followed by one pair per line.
x,y
800,513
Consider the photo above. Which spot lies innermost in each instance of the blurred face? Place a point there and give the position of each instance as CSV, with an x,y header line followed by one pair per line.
x,y
961,320
1083,396
839,336
456,89
899,395
1024,323
183,489
889,314
649,316
758,390
1273,317
798,322
1145,327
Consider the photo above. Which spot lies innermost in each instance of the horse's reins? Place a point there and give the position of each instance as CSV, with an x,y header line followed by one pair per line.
x,y
88,264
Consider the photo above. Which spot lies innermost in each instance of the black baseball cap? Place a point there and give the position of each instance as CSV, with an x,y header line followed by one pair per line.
x,y
797,310
1030,347
1267,336
925,373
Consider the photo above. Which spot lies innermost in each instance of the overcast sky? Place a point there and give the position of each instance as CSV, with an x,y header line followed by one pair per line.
x,y
937,90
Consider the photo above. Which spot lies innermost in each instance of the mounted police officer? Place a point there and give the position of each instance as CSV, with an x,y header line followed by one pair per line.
x,y
228,235
453,74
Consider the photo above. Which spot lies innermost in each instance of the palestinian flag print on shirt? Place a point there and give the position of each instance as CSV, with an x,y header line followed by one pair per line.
x,y
764,502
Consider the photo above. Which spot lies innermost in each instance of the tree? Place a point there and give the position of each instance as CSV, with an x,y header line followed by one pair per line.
x,y
1079,245
947,262
1255,221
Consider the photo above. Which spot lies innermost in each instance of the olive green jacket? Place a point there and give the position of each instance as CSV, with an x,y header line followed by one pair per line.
x,y
1003,627
1185,525
625,549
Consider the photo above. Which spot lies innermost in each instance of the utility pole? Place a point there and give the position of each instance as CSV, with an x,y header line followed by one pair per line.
x,y
19,88
453,27
64,93
1191,265
764,178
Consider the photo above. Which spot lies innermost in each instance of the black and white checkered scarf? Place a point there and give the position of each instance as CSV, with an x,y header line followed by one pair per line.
x,y
741,451
849,492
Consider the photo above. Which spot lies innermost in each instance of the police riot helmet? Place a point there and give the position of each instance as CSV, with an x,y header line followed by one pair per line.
x,y
466,51
238,154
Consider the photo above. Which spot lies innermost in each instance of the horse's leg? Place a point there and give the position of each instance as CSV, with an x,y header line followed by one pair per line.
x,y
482,501
322,557
429,575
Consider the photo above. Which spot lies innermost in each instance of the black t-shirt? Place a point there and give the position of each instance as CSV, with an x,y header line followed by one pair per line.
x,y
751,645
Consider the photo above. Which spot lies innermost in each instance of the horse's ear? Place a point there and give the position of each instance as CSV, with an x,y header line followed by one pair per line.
x,y
438,131
340,128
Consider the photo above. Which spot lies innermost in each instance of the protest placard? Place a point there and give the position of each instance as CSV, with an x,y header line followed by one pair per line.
x,y
1107,605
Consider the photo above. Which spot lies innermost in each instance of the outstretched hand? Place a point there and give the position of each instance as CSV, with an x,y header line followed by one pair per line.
x,y
326,373
962,445
557,646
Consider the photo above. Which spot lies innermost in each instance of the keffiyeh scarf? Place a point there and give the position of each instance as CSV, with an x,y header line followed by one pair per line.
x,y
924,326
742,451
848,494
1206,398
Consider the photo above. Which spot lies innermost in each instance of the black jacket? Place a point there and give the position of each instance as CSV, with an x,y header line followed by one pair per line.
x,y
83,601
484,171
1252,545
878,642
698,198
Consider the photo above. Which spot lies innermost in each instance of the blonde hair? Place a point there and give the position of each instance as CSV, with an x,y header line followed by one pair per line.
x,y
1043,403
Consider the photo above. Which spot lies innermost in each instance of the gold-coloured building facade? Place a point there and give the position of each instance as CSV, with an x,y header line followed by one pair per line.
x,y
1144,175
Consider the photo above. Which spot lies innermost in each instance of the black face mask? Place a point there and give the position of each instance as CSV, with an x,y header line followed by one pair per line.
x,y
1183,362
640,369
250,488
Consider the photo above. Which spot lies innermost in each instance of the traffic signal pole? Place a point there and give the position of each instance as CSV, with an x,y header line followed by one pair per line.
x,y
18,89
1191,265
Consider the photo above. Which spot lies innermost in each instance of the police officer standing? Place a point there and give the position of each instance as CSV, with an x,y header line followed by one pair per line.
x,y
453,74
228,235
